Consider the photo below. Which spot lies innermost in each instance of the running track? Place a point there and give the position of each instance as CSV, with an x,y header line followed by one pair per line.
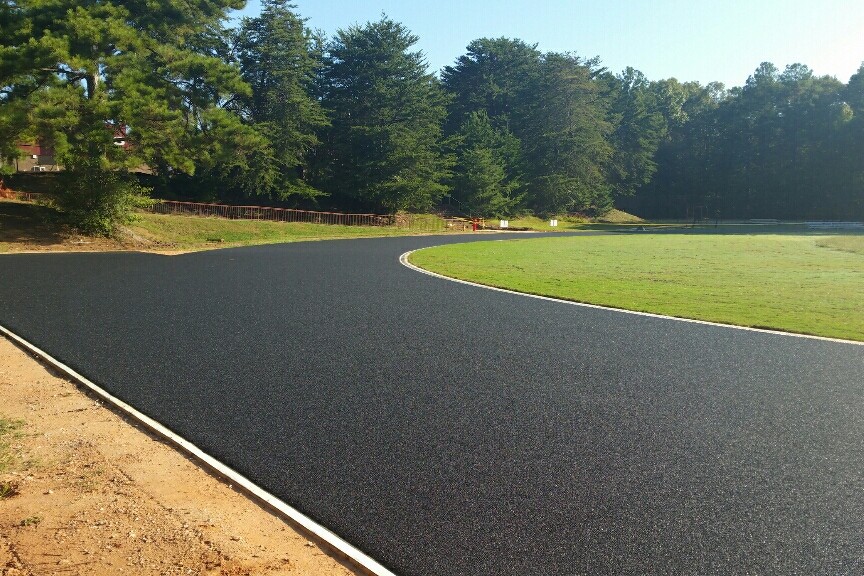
x,y
448,429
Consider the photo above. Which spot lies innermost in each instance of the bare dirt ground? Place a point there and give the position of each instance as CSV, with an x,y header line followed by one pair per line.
x,y
90,494
23,230
26,227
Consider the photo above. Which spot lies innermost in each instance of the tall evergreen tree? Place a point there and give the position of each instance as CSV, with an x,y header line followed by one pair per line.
x,y
639,128
495,76
482,183
81,70
566,140
553,105
384,148
278,59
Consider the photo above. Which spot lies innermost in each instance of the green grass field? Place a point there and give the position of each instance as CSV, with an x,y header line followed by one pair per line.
x,y
797,283
27,223
614,219
190,232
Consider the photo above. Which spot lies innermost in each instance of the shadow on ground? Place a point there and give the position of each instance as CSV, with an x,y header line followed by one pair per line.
x,y
28,223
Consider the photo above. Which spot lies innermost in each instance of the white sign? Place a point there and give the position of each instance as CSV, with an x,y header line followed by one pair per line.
x,y
553,222
505,223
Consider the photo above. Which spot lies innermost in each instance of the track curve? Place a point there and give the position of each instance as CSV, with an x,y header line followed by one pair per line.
x,y
449,430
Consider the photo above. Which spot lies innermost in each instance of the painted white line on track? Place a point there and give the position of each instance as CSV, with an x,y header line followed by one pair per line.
x,y
403,259
340,546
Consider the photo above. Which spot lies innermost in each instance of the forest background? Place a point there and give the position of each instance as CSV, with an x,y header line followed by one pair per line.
x,y
273,111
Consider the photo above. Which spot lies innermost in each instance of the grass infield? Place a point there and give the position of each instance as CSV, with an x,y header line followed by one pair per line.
x,y
796,283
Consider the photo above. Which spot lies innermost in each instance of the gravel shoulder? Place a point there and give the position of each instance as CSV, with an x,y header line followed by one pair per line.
x,y
94,495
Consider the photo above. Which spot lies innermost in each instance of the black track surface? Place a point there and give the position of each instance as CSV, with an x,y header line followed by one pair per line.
x,y
447,429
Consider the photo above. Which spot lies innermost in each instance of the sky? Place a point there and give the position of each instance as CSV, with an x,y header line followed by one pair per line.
x,y
687,39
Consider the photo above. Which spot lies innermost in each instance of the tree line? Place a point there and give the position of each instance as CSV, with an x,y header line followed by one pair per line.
x,y
787,144
273,110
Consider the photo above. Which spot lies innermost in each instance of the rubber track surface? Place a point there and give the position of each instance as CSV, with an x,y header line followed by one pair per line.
x,y
447,429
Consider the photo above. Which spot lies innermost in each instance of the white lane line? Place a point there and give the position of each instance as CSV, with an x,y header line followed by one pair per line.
x,y
403,259
343,548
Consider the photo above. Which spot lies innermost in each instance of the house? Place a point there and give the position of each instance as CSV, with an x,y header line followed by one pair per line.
x,y
120,136
36,157
39,157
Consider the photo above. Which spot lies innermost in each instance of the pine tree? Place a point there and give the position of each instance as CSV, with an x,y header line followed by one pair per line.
x,y
555,108
81,70
494,76
639,128
383,151
482,185
566,140
278,59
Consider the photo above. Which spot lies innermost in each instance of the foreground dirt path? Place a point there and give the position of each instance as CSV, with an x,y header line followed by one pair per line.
x,y
97,496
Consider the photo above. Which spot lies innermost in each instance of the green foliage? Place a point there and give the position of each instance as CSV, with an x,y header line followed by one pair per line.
x,y
567,140
640,127
786,145
481,183
96,200
13,123
30,521
384,148
553,105
82,71
275,111
279,60
495,76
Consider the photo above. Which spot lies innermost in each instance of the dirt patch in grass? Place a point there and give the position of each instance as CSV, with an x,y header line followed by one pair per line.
x,y
852,244
90,494
28,227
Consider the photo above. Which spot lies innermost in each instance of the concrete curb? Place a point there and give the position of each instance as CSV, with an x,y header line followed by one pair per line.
x,y
340,547
403,259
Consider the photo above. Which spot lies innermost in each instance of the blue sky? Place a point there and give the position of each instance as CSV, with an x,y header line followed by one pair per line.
x,y
690,40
